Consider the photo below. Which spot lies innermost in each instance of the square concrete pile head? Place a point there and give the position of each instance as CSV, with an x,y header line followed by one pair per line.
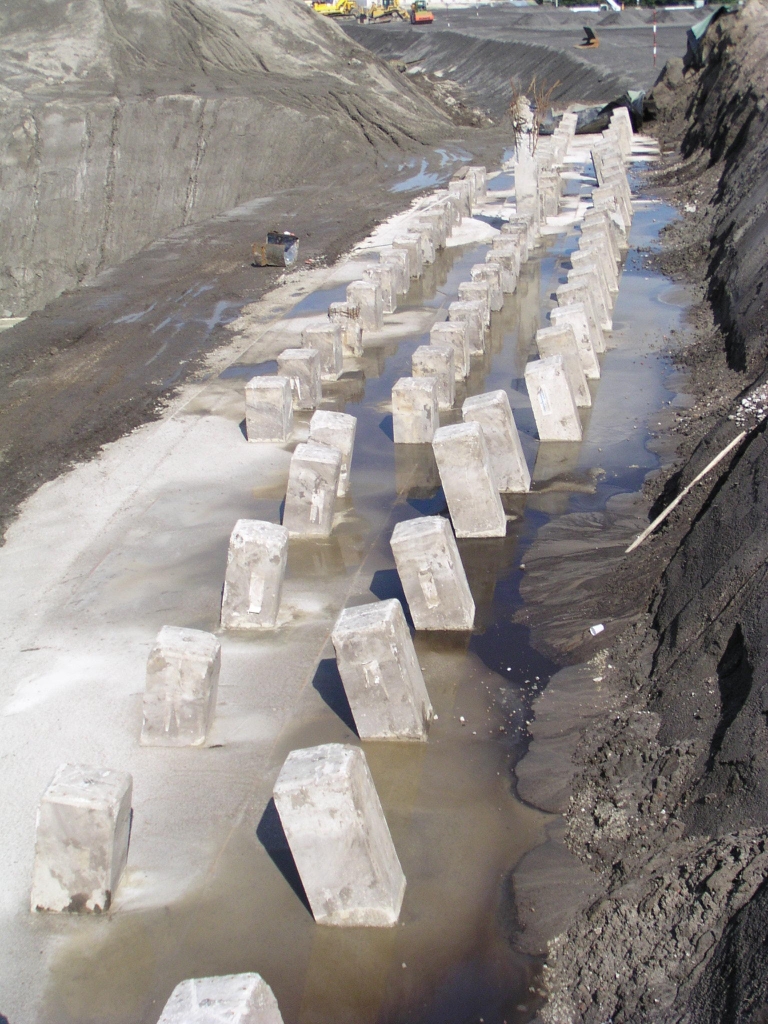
x,y
623,121
575,315
415,415
464,177
425,232
435,360
525,175
180,692
253,583
301,366
399,261
268,409
596,227
473,315
313,482
463,190
506,257
366,297
384,278
435,217
594,245
491,275
477,291
381,674
494,414
410,243
339,838
605,201
579,292
227,999
432,574
561,341
590,263
594,240
455,334
479,174
590,281
348,319
468,481
336,429
325,339
517,232
552,401
83,828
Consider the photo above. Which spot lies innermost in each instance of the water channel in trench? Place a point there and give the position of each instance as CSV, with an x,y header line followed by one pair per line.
x,y
457,825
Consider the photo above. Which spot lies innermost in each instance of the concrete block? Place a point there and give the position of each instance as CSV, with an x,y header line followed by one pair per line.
x,y
411,244
552,401
425,232
83,828
575,315
180,691
463,190
561,341
437,217
399,260
268,409
339,838
579,292
432,574
301,366
473,315
494,414
584,260
516,230
464,175
525,175
480,175
325,339
593,229
415,416
594,240
381,674
592,282
226,999
612,224
477,291
507,259
336,429
491,275
382,276
437,361
313,483
468,481
253,582
348,319
453,333
366,297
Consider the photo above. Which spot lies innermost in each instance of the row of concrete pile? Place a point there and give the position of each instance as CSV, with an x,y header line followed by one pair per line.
x,y
325,795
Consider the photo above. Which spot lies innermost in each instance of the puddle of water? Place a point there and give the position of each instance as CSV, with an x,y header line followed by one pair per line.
x,y
421,179
457,826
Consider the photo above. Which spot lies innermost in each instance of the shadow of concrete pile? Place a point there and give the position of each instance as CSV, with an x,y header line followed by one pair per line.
x,y
125,121
669,803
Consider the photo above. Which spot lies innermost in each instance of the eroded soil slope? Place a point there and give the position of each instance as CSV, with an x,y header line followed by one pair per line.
x,y
671,801
129,119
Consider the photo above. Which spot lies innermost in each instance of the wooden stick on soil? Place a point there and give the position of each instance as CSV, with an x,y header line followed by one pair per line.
x,y
660,519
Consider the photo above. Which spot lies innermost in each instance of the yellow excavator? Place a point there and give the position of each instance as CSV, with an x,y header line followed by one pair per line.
x,y
386,10
336,8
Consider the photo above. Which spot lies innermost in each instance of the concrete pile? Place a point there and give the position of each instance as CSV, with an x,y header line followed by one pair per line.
x,y
569,348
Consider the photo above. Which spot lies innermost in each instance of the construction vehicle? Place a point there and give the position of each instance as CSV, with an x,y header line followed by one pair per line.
x,y
336,8
420,15
590,40
386,10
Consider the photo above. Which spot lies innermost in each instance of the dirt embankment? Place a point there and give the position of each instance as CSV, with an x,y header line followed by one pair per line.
x,y
669,802
126,121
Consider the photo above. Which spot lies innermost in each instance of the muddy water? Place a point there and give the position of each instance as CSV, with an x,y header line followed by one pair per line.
x,y
456,823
